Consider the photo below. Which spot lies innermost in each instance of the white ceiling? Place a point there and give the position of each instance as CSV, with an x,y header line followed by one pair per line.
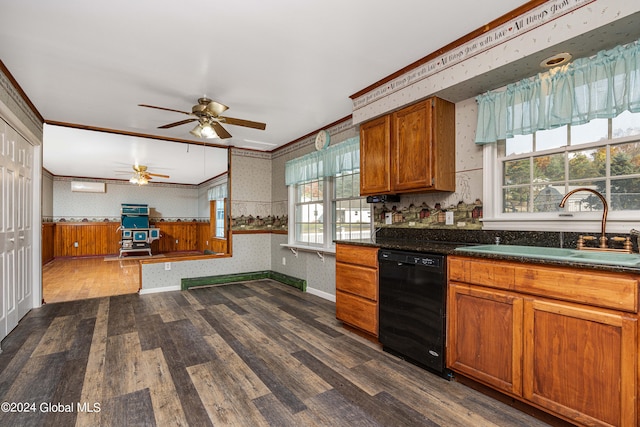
x,y
289,63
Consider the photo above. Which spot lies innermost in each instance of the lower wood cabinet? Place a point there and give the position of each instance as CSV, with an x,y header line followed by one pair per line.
x,y
357,287
485,342
580,362
576,361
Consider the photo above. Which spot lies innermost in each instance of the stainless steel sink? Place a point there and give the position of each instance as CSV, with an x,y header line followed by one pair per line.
x,y
560,254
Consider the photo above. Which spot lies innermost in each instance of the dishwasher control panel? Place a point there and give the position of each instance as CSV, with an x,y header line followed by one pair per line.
x,y
412,258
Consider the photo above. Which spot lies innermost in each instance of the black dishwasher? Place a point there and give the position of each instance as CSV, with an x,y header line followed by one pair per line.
x,y
412,298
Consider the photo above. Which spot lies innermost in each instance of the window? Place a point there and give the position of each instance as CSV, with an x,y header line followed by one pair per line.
x,y
352,212
324,197
219,208
534,172
309,213
329,208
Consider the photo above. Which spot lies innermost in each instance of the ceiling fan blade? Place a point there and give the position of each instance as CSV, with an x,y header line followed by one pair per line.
x,y
181,122
163,108
245,123
158,175
222,132
215,108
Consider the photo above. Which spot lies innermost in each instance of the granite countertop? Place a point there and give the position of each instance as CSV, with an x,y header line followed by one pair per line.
x,y
449,248
428,246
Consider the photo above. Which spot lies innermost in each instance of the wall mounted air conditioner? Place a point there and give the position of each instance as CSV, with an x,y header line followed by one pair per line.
x,y
88,187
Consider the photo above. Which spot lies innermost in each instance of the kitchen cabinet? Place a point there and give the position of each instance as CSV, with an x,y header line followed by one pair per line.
x,y
410,150
485,343
559,338
357,287
375,156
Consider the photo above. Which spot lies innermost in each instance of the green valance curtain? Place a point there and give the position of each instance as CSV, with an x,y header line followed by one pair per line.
x,y
602,86
343,157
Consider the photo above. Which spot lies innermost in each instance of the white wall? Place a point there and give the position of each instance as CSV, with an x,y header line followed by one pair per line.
x,y
47,196
164,200
250,191
250,253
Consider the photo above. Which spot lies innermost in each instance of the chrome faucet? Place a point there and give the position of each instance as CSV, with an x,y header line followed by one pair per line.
x,y
603,237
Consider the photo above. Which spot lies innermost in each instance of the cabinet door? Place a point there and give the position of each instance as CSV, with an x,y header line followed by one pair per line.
x,y
375,161
484,339
411,148
580,362
356,311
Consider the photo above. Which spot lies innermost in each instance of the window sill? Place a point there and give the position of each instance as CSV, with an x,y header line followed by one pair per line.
x,y
321,251
571,224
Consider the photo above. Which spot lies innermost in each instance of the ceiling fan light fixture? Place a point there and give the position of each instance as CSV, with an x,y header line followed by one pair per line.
x,y
139,179
204,130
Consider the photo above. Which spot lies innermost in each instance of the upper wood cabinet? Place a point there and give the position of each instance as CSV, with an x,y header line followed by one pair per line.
x,y
375,156
410,150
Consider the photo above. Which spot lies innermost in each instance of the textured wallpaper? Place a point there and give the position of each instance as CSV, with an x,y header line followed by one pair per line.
x,y
164,200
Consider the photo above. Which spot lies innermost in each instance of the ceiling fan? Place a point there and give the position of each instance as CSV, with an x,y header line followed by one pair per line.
x,y
141,175
207,113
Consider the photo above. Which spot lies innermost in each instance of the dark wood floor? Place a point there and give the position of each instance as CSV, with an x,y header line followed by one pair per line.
x,y
251,354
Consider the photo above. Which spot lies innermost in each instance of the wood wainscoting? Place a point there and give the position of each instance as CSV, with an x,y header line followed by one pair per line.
x,y
86,239
48,230
78,239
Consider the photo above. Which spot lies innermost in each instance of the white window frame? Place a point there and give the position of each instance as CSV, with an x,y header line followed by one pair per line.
x,y
587,222
328,220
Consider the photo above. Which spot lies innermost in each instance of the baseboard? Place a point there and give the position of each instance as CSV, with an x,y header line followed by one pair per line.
x,y
321,294
157,290
194,282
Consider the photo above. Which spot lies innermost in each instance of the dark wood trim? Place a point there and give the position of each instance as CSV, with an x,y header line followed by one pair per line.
x,y
136,134
462,40
337,122
260,232
18,89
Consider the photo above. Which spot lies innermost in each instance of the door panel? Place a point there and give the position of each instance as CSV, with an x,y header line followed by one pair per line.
x,y
16,231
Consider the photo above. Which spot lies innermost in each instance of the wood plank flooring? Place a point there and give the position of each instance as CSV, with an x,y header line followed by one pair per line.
x,y
70,279
76,278
248,354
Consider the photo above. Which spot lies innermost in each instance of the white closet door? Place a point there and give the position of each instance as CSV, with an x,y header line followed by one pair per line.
x,y
16,231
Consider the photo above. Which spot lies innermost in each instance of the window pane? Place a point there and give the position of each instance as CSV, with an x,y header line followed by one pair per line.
x,y
548,168
595,130
547,198
519,144
552,138
516,172
516,199
625,194
585,201
587,164
625,124
351,212
347,186
309,213
625,159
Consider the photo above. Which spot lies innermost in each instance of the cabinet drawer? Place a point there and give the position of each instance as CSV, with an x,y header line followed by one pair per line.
x,y
494,274
358,312
361,255
609,290
361,281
